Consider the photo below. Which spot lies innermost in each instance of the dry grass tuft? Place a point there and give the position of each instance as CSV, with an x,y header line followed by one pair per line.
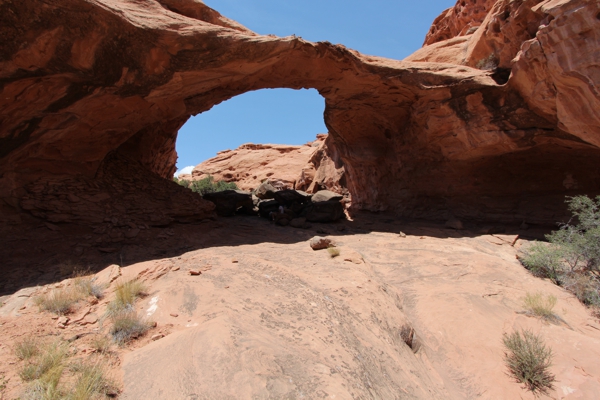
x,y
127,325
86,286
27,348
127,292
59,301
541,306
51,357
92,382
528,360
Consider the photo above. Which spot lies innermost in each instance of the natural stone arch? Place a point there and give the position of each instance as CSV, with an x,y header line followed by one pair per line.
x,y
97,90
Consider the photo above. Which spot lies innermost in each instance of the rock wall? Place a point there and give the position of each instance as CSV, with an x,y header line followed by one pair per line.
x,y
86,84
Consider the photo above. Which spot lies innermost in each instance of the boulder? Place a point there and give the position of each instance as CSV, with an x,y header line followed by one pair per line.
x,y
325,195
266,207
319,243
265,191
289,197
325,211
228,202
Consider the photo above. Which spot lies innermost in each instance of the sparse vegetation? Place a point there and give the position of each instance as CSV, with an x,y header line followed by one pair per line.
x,y
46,387
572,257
59,301
333,252
127,325
46,364
101,344
540,306
125,295
87,286
91,382
3,383
206,185
27,348
488,63
528,360
45,367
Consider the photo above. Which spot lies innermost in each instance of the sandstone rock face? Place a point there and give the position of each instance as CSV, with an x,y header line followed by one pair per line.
x,y
462,19
94,92
309,167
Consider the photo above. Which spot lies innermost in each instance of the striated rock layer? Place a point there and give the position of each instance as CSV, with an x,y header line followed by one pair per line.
x,y
310,167
104,85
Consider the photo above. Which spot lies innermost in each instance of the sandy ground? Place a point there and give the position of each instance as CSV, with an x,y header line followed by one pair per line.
x,y
269,317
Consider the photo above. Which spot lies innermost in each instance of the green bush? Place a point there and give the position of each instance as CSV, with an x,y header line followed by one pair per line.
x,y
572,257
528,360
206,185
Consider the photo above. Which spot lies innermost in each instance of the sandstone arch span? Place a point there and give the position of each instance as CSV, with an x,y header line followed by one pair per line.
x,y
94,92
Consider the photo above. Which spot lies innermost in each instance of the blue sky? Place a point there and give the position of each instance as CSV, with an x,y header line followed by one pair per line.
x,y
392,29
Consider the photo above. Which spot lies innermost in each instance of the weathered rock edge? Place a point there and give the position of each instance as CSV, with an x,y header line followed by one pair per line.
x,y
93,88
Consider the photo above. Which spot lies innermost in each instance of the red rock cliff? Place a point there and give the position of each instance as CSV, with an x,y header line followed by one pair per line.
x,y
94,92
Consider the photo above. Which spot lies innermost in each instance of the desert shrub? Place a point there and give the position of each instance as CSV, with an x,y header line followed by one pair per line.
x,y
540,306
27,348
87,286
91,382
333,252
59,301
572,256
126,293
207,185
46,387
528,360
50,359
127,325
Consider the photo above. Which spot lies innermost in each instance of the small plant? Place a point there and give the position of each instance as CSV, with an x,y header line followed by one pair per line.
x,y
488,63
46,387
101,344
59,301
88,287
127,325
572,258
126,293
27,348
3,383
51,358
333,252
528,360
91,382
540,306
69,268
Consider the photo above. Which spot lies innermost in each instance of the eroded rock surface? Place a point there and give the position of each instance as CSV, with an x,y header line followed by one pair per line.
x,y
310,167
88,85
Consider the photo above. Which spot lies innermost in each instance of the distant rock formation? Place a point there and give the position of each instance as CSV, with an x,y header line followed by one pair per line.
x,y
310,167
496,121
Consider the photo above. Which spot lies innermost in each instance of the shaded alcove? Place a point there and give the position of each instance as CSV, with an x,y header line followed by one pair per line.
x,y
275,116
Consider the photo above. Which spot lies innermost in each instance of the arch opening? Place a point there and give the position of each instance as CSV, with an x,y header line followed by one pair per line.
x,y
268,116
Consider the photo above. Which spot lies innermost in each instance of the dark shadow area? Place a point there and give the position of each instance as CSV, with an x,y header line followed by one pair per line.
x,y
501,75
38,257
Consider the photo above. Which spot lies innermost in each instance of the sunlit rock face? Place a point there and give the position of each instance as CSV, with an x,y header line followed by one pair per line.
x,y
93,94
